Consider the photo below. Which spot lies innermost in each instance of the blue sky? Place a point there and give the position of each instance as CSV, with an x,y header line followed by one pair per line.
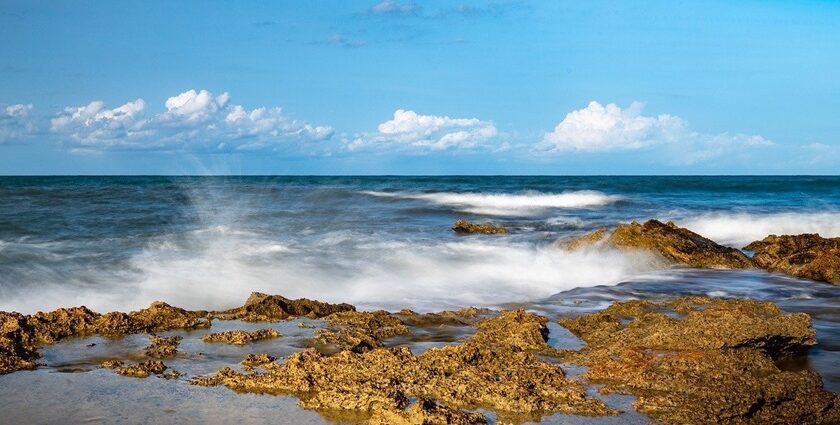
x,y
398,87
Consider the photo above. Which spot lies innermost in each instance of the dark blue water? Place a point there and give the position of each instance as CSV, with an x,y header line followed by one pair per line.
x,y
384,242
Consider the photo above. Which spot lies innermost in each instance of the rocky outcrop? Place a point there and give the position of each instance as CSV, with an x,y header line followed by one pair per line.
x,y
698,360
807,256
17,344
426,412
496,369
241,337
675,244
138,370
466,227
271,308
462,317
358,331
163,346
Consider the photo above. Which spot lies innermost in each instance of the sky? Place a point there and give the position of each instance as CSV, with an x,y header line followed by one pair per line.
x,y
400,87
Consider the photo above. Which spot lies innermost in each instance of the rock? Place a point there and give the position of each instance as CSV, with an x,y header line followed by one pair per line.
x,y
359,331
241,337
807,256
142,369
698,360
465,227
17,350
161,316
591,239
462,317
162,347
271,308
675,244
112,364
254,360
493,370
62,323
426,412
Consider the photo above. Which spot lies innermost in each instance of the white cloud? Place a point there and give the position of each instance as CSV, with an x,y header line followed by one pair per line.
x,y
193,120
603,128
412,131
392,7
16,123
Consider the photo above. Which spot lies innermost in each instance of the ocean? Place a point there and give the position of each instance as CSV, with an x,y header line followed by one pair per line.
x,y
119,243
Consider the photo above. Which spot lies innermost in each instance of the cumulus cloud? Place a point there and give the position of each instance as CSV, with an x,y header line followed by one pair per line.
x,y
412,131
196,120
604,128
16,123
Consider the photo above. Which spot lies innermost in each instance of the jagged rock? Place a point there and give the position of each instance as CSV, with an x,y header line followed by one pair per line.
x,y
807,256
461,317
161,316
17,351
426,412
53,326
466,227
163,346
359,331
241,337
254,360
112,364
698,360
490,370
674,243
260,307
142,369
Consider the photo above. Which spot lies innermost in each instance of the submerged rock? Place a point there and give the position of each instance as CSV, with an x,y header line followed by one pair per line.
x,y
260,307
462,317
807,256
163,346
142,369
466,227
426,412
241,337
254,360
495,369
674,243
699,360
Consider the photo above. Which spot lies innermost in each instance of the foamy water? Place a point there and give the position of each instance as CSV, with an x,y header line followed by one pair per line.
x,y
383,242
508,204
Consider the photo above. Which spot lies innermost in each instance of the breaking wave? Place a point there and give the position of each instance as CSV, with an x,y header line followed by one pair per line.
x,y
508,204
739,229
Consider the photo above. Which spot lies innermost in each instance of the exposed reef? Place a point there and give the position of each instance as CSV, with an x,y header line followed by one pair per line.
x,y
358,331
807,256
260,307
675,244
466,227
426,412
163,346
498,368
698,360
241,337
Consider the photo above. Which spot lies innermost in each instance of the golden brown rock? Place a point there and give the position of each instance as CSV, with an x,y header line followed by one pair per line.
x,y
163,346
161,316
53,326
271,308
17,351
674,243
254,360
807,256
241,337
142,369
697,360
461,317
588,240
465,227
426,412
491,370
359,331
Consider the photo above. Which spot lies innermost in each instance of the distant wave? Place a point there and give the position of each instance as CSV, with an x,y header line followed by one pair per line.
x,y
521,204
739,229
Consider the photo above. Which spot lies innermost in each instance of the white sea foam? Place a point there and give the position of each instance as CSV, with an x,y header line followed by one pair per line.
x,y
214,270
510,204
739,229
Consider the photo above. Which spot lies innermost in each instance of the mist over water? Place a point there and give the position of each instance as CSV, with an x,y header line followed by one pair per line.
x,y
376,242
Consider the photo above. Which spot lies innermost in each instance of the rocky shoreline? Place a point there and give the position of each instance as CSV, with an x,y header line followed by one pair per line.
x,y
687,360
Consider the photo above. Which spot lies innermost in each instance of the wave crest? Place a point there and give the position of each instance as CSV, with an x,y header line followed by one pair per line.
x,y
508,204
739,229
